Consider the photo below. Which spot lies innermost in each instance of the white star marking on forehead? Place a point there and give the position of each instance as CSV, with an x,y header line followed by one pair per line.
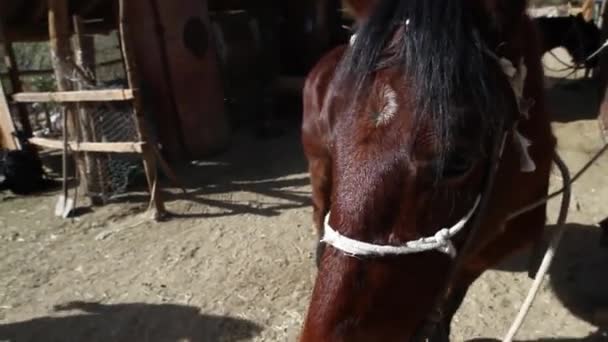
x,y
390,107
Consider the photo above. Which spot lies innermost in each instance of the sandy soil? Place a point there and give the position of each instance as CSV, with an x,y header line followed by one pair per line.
x,y
236,262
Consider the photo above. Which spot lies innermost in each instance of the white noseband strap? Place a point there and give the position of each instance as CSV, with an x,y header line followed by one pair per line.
x,y
440,242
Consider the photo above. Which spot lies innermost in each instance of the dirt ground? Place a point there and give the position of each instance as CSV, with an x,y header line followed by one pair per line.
x,y
236,262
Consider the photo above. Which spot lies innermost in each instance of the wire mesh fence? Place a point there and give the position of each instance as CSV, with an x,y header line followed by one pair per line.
x,y
108,174
113,122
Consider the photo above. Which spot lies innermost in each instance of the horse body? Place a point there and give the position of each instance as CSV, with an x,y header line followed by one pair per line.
x,y
372,156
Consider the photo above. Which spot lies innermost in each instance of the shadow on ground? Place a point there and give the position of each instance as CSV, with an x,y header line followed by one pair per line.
x,y
273,172
578,277
94,322
572,100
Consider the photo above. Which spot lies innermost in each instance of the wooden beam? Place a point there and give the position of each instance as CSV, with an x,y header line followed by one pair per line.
x,y
75,96
7,128
157,204
13,74
75,146
167,72
63,61
84,55
43,72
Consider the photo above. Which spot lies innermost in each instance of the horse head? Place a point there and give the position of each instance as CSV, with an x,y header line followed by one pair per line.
x,y
417,104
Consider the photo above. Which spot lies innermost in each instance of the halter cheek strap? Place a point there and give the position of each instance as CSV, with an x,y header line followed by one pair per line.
x,y
517,79
441,241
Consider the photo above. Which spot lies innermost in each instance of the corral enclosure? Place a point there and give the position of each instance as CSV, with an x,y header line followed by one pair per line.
x,y
204,70
235,263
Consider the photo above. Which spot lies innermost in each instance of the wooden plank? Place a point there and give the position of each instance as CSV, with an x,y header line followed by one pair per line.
x,y
157,203
75,96
84,57
61,55
13,73
102,147
44,72
7,128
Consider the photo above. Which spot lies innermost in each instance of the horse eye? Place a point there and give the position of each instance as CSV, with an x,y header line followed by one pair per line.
x,y
457,165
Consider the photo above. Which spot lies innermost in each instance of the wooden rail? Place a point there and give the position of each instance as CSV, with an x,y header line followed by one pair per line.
x,y
7,128
103,147
43,72
75,96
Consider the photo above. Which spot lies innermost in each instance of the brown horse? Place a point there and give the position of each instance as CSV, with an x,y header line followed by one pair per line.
x,y
400,131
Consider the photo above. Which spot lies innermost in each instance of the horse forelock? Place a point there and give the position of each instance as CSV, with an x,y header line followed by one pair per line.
x,y
440,49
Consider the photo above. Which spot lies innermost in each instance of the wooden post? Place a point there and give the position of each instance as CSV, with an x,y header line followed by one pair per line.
x,y
157,206
7,128
84,48
603,78
13,74
84,55
166,66
61,54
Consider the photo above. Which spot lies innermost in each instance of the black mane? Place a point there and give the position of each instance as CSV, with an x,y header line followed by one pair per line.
x,y
443,53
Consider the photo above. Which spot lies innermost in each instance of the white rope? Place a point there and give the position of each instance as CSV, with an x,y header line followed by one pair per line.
x,y
441,241
598,51
550,253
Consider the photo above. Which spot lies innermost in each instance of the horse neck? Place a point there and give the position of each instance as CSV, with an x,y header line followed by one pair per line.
x,y
372,301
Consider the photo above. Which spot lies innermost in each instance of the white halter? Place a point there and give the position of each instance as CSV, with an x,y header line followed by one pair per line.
x,y
440,242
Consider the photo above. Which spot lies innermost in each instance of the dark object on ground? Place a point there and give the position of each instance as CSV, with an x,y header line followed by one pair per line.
x,y
21,172
604,236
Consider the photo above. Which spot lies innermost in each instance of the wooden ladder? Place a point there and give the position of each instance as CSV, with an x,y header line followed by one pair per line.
x,y
59,33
